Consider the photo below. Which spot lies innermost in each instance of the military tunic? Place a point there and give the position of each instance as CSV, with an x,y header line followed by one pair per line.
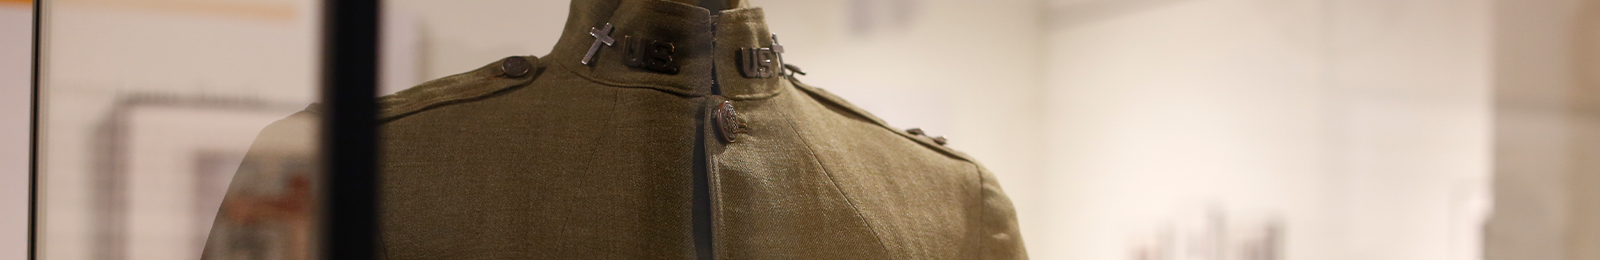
x,y
599,154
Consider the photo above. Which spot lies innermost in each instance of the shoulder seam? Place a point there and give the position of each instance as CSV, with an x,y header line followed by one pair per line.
x,y
832,100
452,89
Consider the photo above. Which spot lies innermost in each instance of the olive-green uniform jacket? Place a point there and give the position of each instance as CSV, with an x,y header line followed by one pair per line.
x,y
551,158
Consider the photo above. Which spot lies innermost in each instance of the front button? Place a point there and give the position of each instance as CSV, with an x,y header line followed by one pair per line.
x,y
729,125
515,66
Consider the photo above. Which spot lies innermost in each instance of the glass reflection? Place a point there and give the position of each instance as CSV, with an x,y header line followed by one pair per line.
x,y
148,111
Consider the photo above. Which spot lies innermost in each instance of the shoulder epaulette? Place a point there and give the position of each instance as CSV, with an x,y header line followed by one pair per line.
x,y
833,100
489,79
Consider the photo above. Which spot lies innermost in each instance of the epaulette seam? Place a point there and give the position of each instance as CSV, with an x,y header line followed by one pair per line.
x,y
840,102
449,90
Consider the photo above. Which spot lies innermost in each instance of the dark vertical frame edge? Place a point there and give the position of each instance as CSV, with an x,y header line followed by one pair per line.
x,y
33,136
349,136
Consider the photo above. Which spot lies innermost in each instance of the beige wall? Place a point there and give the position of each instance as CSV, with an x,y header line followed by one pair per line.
x,y
458,36
16,34
1363,126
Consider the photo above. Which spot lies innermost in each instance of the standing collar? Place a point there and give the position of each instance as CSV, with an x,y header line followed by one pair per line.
x,y
704,48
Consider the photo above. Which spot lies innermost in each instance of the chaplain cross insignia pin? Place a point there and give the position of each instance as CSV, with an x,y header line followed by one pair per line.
x,y
601,35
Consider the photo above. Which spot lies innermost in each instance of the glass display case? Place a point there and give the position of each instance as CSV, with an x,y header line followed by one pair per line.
x,y
147,109
1143,129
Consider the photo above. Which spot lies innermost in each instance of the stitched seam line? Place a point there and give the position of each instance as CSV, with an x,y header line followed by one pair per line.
x,y
466,94
448,93
833,180
714,182
830,99
983,200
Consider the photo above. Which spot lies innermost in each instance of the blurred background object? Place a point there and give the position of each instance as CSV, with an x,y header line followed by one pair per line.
x,y
1122,129
1546,131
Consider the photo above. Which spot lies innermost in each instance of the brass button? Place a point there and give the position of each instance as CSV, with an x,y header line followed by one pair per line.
x,y
515,66
729,125
915,131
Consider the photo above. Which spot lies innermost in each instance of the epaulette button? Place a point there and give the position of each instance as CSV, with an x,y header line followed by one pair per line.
x,y
515,67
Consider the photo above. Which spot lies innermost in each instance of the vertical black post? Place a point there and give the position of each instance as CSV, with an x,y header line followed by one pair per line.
x,y
350,77
33,137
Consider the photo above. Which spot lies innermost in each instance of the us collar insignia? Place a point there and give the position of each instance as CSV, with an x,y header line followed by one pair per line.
x,y
761,62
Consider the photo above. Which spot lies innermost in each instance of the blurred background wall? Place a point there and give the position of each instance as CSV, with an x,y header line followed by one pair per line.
x,y
16,58
1122,129
1359,128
